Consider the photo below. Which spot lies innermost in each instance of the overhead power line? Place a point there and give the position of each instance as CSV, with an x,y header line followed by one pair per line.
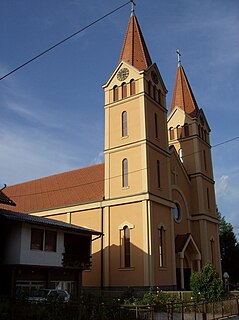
x,y
64,40
104,179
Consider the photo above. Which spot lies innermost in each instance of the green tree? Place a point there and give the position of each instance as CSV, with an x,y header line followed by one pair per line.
x,y
206,284
229,248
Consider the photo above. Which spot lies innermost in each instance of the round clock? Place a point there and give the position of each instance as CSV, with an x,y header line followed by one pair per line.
x,y
154,77
123,74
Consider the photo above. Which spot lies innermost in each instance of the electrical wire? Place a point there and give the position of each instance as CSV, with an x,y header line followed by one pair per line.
x,y
111,178
64,40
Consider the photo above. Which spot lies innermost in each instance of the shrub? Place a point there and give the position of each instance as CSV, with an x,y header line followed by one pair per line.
x,y
206,284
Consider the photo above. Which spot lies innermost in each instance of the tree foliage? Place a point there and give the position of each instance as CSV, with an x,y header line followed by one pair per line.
x,y
206,284
229,248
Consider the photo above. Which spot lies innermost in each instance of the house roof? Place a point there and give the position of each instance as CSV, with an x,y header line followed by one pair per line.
x,y
5,200
59,190
27,218
183,96
134,50
180,241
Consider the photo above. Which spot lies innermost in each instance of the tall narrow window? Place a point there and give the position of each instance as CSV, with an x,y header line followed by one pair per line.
x,y
124,90
158,174
208,199
179,131
204,159
161,239
180,153
125,173
212,250
156,125
186,130
149,88
132,87
171,133
159,97
115,93
154,92
199,130
124,124
126,247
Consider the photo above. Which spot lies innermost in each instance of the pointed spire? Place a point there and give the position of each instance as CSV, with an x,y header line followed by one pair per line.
x,y
134,50
183,96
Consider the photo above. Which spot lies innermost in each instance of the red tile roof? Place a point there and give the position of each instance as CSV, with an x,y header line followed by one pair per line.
x,y
64,189
134,50
5,200
183,95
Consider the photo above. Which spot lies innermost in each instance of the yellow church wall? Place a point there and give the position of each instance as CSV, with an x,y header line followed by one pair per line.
x,y
130,215
162,217
136,171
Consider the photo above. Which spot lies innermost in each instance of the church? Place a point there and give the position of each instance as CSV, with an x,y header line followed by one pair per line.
x,y
153,197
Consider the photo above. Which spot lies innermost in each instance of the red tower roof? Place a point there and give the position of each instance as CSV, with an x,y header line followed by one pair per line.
x,y
183,95
134,50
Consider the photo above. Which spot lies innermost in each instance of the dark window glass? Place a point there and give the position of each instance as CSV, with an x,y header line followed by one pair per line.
x,y
126,246
171,133
156,125
115,93
124,90
158,174
161,234
37,239
50,240
186,130
125,173
124,124
132,87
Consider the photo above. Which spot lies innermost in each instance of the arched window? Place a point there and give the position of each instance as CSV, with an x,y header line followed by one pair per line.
x,y
186,130
124,124
125,173
205,160
199,130
208,199
156,125
205,135
149,88
159,97
171,133
158,174
180,153
115,93
177,212
154,92
132,87
126,246
179,131
124,90
202,133
161,241
212,247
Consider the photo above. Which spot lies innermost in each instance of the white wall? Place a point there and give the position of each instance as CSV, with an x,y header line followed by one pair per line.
x,y
19,249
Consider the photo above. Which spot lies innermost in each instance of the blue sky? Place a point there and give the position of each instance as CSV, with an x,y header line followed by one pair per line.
x,y
51,111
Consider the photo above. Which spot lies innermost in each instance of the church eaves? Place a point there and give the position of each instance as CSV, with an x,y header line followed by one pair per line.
x,y
183,96
134,50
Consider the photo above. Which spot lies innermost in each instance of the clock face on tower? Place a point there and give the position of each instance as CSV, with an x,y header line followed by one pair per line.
x,y
123,74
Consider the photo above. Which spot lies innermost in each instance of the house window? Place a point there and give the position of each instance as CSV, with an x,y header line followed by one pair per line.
x,y
159,96
154,92
115,93
124,124
126,247
171,133
199,130
50,240
179,131
37,239
124,90
186,130
177,212
132,87
158,174
125,173
156,125
161,240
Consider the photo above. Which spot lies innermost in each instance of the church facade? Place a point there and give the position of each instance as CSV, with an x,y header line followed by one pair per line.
x,y
153,197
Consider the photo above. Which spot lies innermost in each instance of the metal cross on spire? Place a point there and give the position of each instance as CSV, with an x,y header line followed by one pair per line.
x,y
132,7
179,57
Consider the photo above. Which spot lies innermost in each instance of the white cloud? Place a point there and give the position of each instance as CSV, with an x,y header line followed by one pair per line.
x,y
222,186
